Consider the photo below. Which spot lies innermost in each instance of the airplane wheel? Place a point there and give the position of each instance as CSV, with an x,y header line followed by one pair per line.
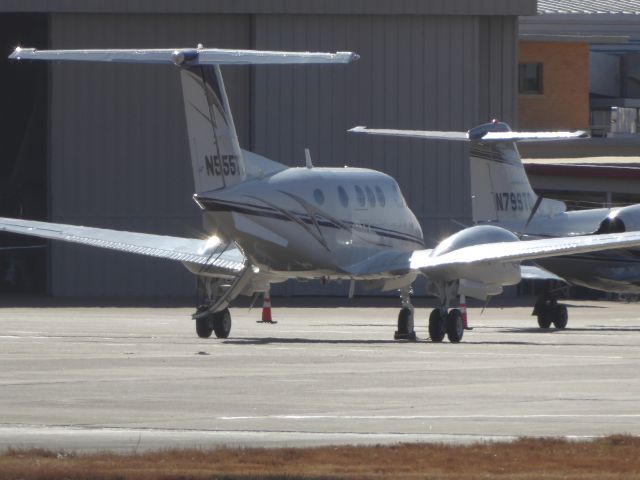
x,y
455,325
204,327
545,318
436,326
560,316
222,323
403,320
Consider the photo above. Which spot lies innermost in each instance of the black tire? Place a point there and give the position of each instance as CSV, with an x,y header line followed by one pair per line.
x,y
403,321
560,316
222,323
544,318
436,326
204,327
455,325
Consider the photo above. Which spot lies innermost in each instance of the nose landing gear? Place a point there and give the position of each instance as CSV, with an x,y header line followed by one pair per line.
x,y
405,317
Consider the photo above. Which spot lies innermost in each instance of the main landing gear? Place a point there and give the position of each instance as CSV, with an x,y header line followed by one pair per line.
x,y
213,322
442,321
549,311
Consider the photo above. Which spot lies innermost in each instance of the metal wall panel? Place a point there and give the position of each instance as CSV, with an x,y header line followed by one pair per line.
x,y
118,150
352,7
498,42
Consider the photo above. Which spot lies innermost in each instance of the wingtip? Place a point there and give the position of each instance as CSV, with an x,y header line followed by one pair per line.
x,y
347,57
19,52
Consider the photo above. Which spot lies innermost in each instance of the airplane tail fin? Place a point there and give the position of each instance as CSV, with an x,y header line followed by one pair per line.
x,y
216,157
500,188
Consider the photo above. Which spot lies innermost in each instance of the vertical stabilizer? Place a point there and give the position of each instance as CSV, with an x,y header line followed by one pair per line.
x,y
216,157
500,188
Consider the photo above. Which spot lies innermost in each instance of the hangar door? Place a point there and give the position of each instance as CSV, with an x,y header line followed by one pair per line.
x,y
23,164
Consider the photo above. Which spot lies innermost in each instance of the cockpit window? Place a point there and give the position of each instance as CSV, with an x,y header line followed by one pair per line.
x,y
380,196
370,196
360,196
318,195
344,198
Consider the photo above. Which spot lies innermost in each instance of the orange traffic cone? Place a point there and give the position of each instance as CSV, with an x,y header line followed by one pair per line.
x,y
266,309
463,311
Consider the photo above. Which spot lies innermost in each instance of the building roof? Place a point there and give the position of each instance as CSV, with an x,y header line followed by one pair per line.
x,y
347,7
593,21
589,7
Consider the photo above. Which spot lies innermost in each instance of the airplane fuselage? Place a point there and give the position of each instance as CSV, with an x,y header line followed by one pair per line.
x,y
609,271
314,221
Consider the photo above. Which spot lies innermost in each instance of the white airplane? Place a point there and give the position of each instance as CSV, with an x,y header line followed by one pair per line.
x,y
272,223
502,195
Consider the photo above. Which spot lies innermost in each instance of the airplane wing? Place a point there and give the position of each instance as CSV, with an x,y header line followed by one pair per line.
x,y
211,254
517,251
456,263
464,136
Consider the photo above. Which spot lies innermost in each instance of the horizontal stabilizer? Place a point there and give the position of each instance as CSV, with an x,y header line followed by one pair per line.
x,y
207,253
186,56
532,136
464,136
435,135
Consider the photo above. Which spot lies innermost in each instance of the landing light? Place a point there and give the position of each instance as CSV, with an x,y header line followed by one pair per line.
x,y
212,242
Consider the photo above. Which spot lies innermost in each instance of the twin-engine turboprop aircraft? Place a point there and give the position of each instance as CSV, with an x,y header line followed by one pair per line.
x,y
273,223
501,195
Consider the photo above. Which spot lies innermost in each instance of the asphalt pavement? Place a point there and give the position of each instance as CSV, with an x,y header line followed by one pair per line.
x,y
129,379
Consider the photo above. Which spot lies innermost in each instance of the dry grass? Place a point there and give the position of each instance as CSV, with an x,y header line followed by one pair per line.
x,y
616,457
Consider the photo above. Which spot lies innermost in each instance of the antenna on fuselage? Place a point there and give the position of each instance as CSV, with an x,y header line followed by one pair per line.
x,y
307,156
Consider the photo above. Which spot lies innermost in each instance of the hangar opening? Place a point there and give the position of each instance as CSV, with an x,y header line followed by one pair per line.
x,y
23,164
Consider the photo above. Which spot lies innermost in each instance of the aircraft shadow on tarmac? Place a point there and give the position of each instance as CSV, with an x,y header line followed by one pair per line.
x,y
591,329
311,341
274,340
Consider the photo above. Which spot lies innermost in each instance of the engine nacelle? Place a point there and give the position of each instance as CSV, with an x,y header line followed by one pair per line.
x,y
625,219
474,236
485,279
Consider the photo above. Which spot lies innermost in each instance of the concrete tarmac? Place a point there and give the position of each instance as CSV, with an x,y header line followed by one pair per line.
x,y
129,379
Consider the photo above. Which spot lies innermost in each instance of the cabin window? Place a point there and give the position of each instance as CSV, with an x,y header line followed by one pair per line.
x,y
344,198
530,79
370,196
318,195
360,196
380,196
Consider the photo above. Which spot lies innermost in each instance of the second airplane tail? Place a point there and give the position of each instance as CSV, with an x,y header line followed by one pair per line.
x,y
500,188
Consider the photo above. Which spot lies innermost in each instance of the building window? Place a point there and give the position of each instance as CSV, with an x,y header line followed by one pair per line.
x,y
530,78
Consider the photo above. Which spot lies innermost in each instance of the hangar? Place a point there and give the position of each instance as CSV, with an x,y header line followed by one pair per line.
x,y
105,145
